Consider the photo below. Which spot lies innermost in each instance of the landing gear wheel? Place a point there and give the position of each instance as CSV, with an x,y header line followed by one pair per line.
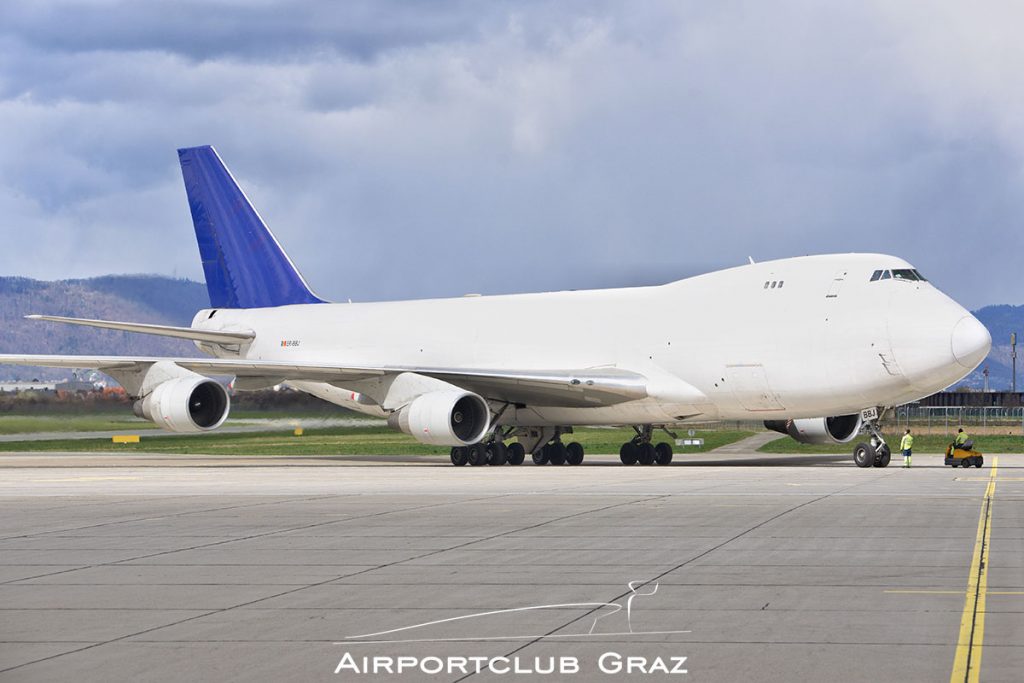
x,y
574,453
477,454
663,453
541,457
646,455
516,454
556,452
497,454
864,455
460,456
629,453
883,458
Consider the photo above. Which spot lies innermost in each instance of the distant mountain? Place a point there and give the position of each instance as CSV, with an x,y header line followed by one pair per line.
x,y
142,298
169,301
1000,321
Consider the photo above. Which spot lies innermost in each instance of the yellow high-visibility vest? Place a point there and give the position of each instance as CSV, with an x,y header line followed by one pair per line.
x,y
907,442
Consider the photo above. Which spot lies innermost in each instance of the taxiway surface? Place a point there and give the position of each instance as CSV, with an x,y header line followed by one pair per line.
x,y
767,567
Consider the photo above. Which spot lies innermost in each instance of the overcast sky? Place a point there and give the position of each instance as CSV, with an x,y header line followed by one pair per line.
x,y
410,149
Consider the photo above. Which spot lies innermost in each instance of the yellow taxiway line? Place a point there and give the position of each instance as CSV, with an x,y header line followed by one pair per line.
x,y
967,662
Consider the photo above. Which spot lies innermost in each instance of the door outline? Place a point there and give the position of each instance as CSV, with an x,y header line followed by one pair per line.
x,y
750,387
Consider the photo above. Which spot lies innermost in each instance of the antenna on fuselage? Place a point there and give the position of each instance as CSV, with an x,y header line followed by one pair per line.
x,y
751,259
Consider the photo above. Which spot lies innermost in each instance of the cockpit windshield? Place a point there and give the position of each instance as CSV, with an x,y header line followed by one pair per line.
x,y
910,274
907,274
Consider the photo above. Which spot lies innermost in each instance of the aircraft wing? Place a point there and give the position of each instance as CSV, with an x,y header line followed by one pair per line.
x,y
591,387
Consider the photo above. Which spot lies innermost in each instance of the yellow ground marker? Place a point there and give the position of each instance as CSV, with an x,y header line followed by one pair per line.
x,y
125,438
967,662
298,431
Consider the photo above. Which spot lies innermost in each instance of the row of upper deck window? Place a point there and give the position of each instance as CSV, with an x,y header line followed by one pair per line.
x,y
901,274
904,274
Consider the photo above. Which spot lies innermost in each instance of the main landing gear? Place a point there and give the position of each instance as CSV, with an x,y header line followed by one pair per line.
x,y
558,453
547,448
641,450
875,452
545,444
490,453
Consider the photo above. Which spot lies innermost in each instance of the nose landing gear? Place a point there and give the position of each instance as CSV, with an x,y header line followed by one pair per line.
x,y
875,452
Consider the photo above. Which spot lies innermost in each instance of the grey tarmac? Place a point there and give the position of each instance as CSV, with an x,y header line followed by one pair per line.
x,y
773,568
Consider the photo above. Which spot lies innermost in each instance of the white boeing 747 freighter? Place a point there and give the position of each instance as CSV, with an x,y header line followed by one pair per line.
x,y
816,347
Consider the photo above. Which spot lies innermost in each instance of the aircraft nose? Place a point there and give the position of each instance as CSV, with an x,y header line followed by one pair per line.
x,y
970,342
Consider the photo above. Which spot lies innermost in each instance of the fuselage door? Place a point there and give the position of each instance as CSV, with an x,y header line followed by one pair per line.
x,y
750,386
837,283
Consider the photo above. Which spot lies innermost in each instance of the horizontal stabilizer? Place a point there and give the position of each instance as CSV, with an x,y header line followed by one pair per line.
x,y
211,336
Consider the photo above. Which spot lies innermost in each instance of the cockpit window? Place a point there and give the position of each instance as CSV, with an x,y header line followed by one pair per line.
x,y
909,274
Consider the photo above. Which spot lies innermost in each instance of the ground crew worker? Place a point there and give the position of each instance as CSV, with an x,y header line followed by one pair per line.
x,y
961,438
907,445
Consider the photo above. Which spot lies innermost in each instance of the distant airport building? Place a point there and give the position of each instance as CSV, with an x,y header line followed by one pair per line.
x,y
71,386
974,399
16,387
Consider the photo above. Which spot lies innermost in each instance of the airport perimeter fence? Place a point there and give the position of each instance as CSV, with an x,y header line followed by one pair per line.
x,y
921,419
946,419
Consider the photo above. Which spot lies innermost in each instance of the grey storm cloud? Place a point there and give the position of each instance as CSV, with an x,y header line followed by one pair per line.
x,y
408,149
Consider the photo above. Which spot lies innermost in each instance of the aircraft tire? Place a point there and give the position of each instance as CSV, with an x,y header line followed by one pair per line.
x,y
884,459
646,455
516,453
628,453
663,453
541,456
497,454
556,453
460,456
574,453
477,454
864,455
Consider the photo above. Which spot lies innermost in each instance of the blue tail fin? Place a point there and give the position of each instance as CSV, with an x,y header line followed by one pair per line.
x,y
245,267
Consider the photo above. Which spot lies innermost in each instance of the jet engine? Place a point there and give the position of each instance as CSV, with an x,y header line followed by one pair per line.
x,y
818,430
191,403
444,418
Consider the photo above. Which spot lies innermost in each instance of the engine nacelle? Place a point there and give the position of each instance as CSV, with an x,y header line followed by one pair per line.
x,y
186,404
444,418
819,430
